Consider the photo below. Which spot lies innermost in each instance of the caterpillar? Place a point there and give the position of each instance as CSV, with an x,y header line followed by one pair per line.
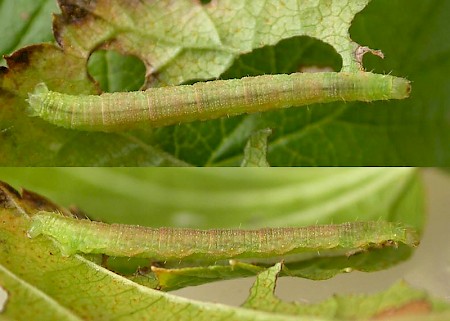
x,y
165,106
169,244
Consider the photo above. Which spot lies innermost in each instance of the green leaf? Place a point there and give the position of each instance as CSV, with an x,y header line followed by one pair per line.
x,y
255,151
317,267
188,41
399,301
74,288
53,287
221,198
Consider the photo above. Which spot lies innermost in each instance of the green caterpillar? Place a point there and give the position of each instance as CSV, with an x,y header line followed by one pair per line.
x,y
168,244
165,106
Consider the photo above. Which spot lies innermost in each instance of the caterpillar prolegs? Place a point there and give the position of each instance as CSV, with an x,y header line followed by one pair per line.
x,y
166,244
165,106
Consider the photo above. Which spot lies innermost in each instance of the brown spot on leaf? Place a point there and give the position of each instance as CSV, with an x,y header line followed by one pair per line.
x,y
41,203
74,11
8,195
29,202
414,307
3,71
20,56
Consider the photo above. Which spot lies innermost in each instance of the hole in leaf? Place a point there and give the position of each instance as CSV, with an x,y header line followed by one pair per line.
x,y
388,33
297,54
116,72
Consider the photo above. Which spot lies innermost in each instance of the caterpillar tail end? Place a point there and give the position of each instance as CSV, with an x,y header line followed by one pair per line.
x,y
401,88
36,99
